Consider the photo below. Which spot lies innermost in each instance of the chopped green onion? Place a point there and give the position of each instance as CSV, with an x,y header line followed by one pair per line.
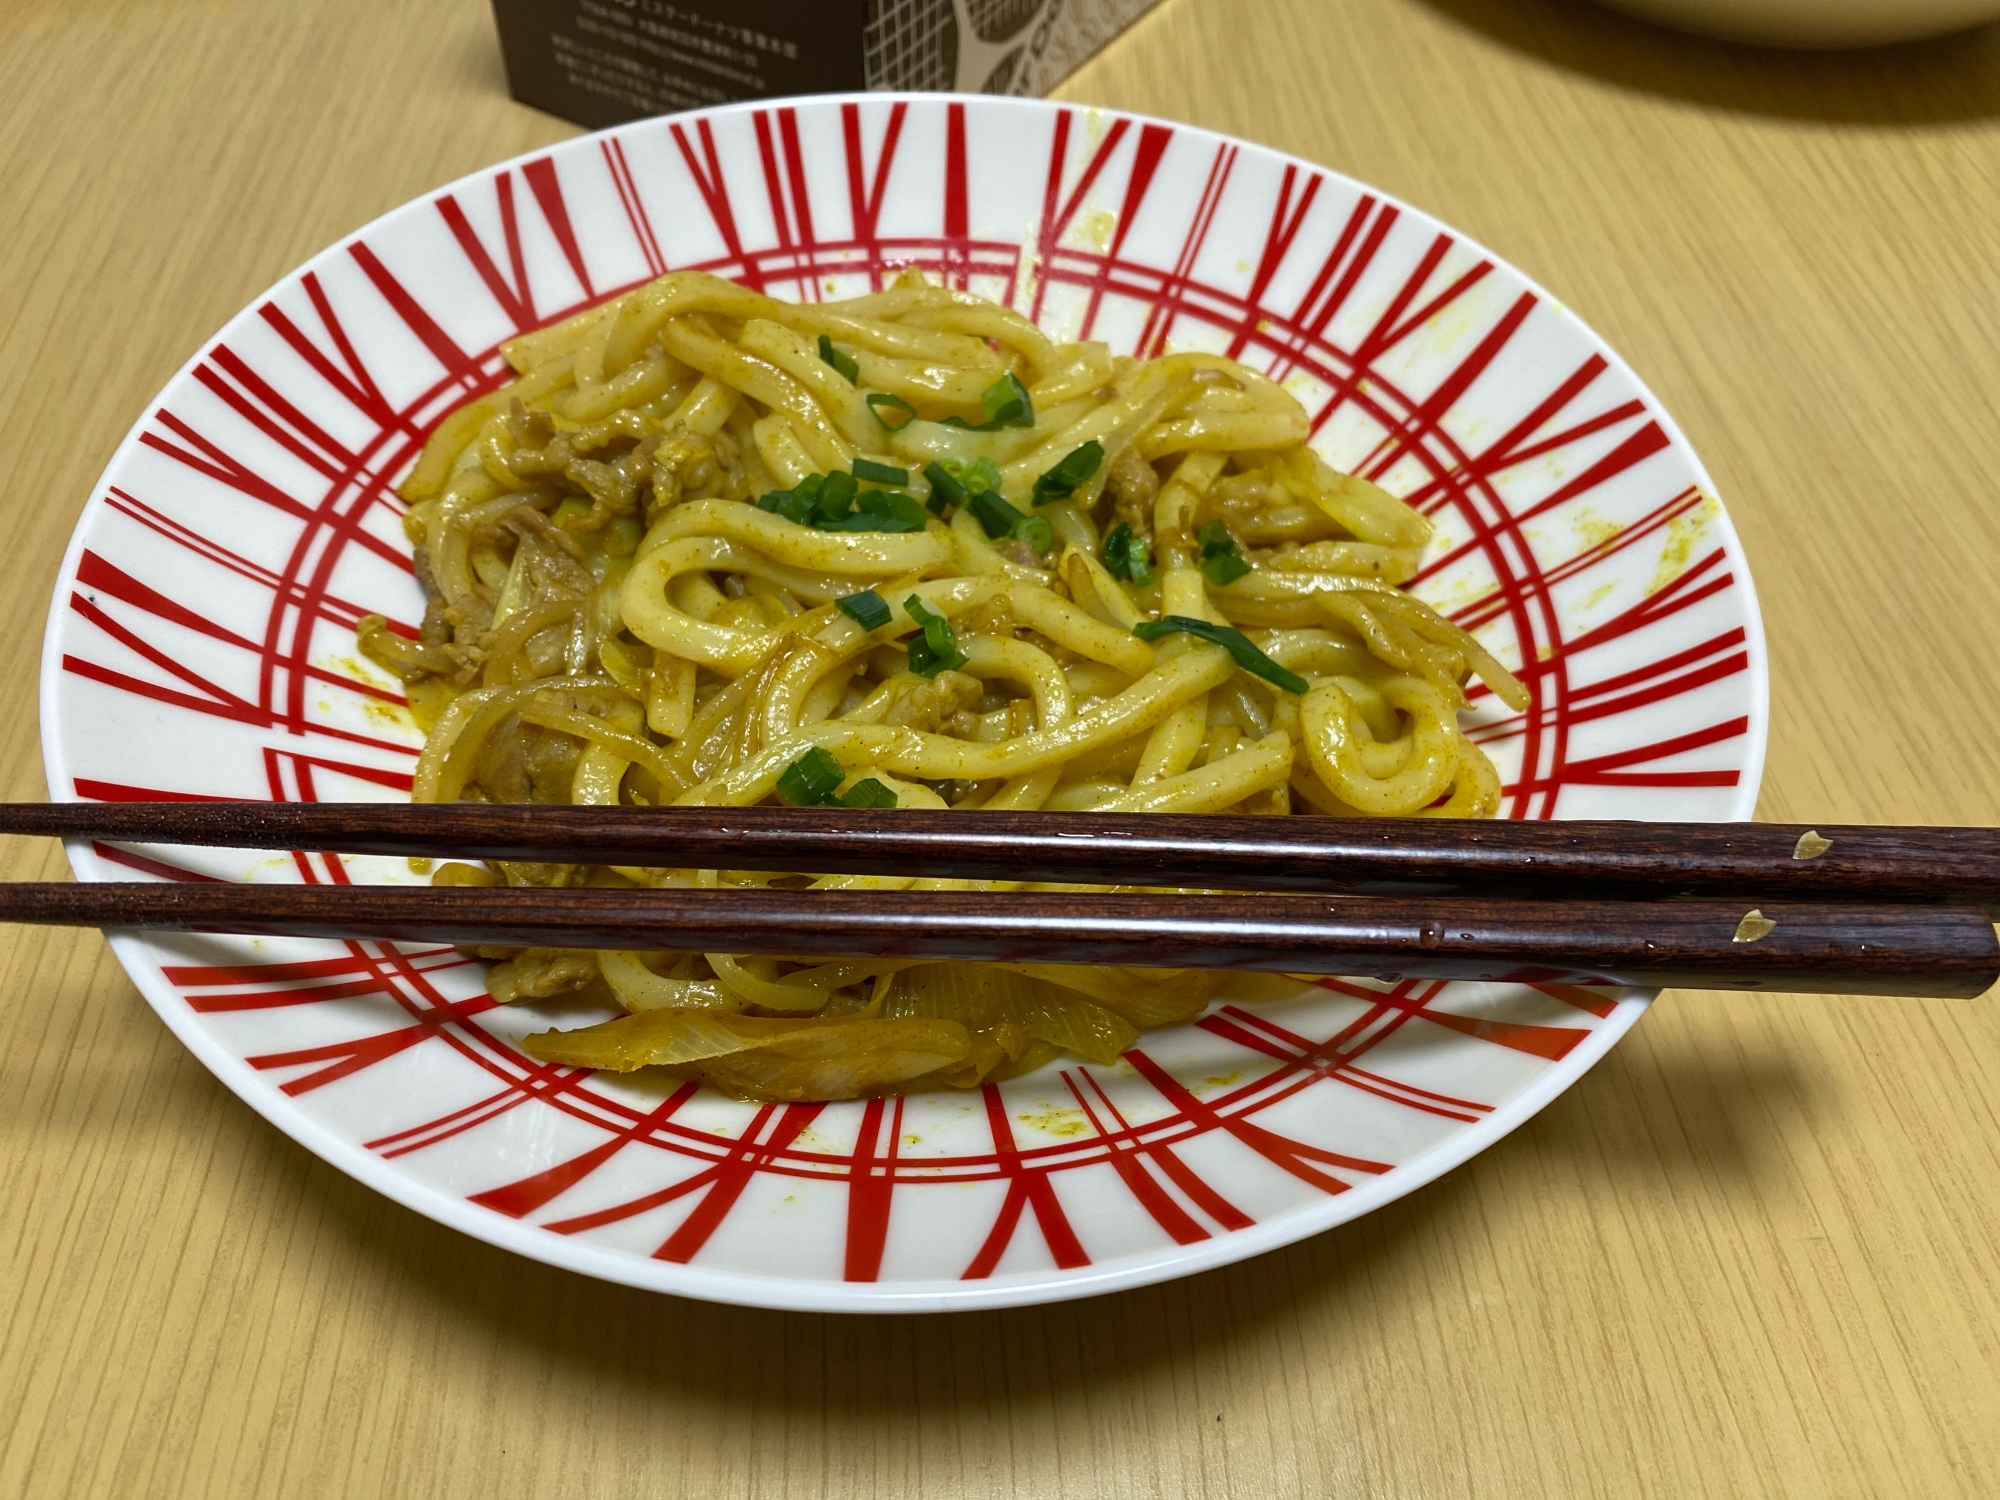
x,y
814,778
796,504
936,650
994,513
881,403
574,509
1127,556
894,505
844,363
1235,642
999,519
836,497
876,473
1221,563
980,474
1061,481
811,779
867,609
1224,568
880,510
1006,404
827,502
867,792
946,491
954,480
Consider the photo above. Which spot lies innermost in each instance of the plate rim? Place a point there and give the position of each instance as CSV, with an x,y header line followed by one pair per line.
x,y
796,1293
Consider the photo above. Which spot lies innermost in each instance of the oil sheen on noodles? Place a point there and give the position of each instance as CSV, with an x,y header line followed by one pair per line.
x,y
901,550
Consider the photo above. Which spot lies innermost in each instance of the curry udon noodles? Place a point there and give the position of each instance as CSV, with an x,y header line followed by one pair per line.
x,y
901,550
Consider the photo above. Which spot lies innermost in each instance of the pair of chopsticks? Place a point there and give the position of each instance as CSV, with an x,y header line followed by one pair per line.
x,y
1905,911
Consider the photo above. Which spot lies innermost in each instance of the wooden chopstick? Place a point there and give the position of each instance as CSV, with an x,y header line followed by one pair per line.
x,y
1757,861
1900,950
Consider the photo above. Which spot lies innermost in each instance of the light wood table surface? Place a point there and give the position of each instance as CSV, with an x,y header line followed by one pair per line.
x,y
1756,1252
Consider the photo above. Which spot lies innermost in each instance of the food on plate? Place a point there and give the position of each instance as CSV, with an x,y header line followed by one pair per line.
x,y
901,550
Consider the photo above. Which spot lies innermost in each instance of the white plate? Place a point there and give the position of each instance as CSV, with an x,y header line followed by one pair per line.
x,y
201,645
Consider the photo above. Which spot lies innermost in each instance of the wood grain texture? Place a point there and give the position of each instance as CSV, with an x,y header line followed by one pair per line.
x,y
1755,1252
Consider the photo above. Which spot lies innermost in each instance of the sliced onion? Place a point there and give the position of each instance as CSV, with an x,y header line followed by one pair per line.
x,y
834,1060
982,998
638,988
803,990
656,1036
1145,997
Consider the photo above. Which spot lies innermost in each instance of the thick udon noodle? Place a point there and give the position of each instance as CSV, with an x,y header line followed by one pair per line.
x,y
613,618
